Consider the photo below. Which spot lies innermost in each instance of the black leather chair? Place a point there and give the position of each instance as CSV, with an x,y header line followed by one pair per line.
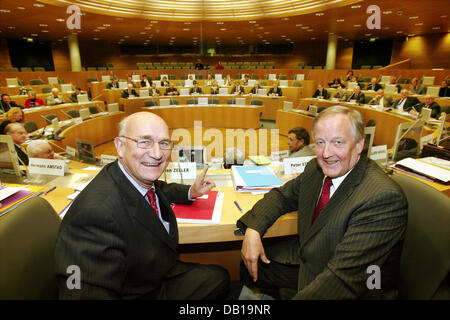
x,y
50,117
425,260
28,235
30,126
73,113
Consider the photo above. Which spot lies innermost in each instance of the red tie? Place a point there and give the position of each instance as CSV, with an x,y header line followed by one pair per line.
x,y
324,197
152,198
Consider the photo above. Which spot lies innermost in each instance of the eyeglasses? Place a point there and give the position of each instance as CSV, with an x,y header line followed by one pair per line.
x,y
143,143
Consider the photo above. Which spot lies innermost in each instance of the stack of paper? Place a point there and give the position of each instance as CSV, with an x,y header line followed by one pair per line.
x,y
254,179
205,209
428,167
260,160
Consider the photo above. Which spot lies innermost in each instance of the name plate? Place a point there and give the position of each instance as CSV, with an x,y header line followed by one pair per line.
x,y
71,151
46,166
295,165
105,159
379,153
188,170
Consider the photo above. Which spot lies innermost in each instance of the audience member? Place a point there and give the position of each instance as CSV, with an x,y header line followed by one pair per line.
x,y
13,115
113,84
357,96
6,103
237,88
74,96
340,94
195,89
32,101
381,100
199,65
42,149
146,82
171,91
129,92
336,83
219,66
153,91
18,135
298,143
444,90
255,88
275,91
415,87
321,92
349,75
405,103
55,98
165,82
209,80
214,88
430,104
374,85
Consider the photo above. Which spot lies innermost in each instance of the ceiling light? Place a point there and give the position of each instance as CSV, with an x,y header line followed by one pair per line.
x,y
153,21
11,27
436,28
223,29
187,23
340,20
399,31
43,25
304,28
106,25
356,6
387,12
411,35
414,17
60,20
44,30
34,34
252,21
219,22
299,25
285,19
357,25
38,5
419,24
319,14
186,29
5,11
21,8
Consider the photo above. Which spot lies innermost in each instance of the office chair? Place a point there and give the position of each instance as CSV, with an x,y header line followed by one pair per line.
x,y
425,260
73,113
93,109
213,101
46,90
30,126
34,82
150,103
256,102
28,235
371,123
50,117
191,101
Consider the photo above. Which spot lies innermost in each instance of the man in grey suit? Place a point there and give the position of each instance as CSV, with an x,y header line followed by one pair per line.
x,y
298,143
381,99
351,220
121,232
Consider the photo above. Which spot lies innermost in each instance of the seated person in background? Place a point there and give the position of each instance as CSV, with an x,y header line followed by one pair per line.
x,y
42,149
405,103
374,85
275,91
113,84
298,142
381,100
6,103
340,94
146,82
430,104
13,115
444,90
209,80
130,81
349,75
129,92
227,81
246,78
415,87
55,98
214,88
350,215
18,135
195,89
74,96
32,101
237,88
199,65
393,80
357,95
255,88
171,91
321,92
219,66
336,83
153,91
165,82
233,157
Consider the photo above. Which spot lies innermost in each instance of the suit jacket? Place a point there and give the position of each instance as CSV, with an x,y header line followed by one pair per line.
x,y
278,91
375,87
194,90
115,237
409,104
317,94
112,85
362,224
22,155
126,94
435,109
144,84
5,107
361,98
174,91
305,151
387,101
241,90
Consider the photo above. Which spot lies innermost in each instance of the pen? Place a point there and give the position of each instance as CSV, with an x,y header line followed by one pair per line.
x,y
49,190
237,205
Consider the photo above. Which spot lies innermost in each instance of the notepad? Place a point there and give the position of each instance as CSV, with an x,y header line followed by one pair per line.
x,y
254,178
205,209
260,160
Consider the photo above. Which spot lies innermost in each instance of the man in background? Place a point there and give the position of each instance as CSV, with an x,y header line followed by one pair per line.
x,y
18,135
298,142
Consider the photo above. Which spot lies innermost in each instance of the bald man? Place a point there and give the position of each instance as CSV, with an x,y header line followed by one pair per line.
x,y
18,135
121,231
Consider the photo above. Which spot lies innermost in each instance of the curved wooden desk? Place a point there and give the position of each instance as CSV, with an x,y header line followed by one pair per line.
x,y
387,122
218,116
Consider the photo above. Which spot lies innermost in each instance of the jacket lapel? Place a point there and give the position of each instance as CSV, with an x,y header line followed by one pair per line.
x,y
340,195
141,210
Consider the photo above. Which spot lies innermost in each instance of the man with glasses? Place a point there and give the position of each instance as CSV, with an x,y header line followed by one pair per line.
x,y
122,233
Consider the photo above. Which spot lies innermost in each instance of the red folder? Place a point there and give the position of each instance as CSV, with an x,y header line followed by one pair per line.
x,y
200,209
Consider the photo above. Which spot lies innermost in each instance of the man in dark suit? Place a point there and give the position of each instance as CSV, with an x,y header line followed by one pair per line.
x,y
18,135
145,82
430,104
113,84
129,92
171,91
6,103
121,231
405,103
237,88
195,89
275,91
374,85
320,92
381,99
357,96
351,216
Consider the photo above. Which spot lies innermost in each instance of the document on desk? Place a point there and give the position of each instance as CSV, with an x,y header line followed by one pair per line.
x,y
205,209
426,168
254,179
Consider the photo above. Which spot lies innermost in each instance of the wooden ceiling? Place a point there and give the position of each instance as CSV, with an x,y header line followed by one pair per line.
x,y
294,22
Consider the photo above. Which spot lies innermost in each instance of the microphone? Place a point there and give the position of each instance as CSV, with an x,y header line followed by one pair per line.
x,y
54,144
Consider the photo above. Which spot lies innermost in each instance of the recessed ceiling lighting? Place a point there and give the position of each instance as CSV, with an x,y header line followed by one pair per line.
x,y
38,5
186,29
400,31
419,24
304,28
368,34
267,32
357,25
411,35
310,30
101,28
414,17
106,25
44,30
11,27
21,8
436,28
319,14
356,6
386,28
444,16
126,37
148,28
153,21
60,20
313,38
387,12
5,11
142,32
340,20
299,25
252,21
283,36
223,29
43,25
95,39
285,19
34,34
219,22
118,19
187,23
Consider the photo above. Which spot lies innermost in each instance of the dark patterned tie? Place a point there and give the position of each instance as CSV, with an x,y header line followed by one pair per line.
x,y
324,197
152,198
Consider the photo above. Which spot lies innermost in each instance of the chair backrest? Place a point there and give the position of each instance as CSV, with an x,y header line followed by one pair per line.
x,y
213,101
46,89
256,102
50,117
28,236
191,101
73,113
93,109
425,260
150,103
36,82
30,126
